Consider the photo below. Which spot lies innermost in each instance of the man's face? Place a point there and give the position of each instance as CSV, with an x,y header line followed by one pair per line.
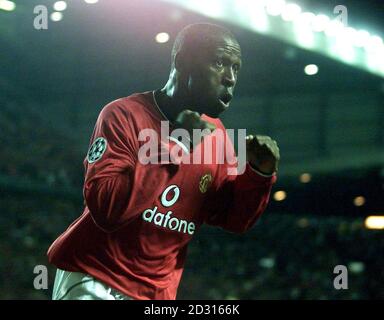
x,y
214,75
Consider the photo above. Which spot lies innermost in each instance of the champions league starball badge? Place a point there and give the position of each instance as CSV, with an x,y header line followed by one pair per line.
x,y
97,150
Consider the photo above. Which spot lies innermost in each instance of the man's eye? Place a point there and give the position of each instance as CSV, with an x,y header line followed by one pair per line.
x,y
219,63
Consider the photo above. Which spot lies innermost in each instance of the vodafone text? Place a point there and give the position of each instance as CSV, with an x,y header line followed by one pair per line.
x,y
165,220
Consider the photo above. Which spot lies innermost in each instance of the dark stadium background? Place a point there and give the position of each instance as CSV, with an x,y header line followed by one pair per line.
x,y
54,82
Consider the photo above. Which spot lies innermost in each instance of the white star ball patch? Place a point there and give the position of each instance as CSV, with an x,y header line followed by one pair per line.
x,y
97,150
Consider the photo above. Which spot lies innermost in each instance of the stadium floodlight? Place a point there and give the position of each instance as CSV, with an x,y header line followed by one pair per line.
x,y
359,201
260,21
305,177
7,5
303,31
212,8
280,195
60,6
345,51
334,28
349,34
305,18
343,46
311,69
320,22
290,12
306,30
254,13
374,222
267,263
162,37
362,38
374,43
374,59
275,7
56,16
356,267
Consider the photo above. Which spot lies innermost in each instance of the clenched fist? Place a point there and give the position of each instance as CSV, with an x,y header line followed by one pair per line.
x,y
189,120
263,153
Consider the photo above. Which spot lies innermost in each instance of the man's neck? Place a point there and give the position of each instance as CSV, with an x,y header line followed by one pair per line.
x,y
169,105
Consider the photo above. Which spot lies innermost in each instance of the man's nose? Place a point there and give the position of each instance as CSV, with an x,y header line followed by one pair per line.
x,y
229,78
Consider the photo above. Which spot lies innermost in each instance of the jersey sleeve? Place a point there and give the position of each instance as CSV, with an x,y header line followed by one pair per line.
x,y
109,166
237,201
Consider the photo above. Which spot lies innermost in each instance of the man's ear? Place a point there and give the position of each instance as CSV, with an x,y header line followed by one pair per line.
x,y
182,63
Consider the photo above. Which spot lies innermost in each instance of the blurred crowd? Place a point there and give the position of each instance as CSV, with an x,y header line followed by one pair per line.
x,y
286,257
34,150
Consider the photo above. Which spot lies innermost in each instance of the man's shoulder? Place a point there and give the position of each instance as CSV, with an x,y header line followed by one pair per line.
x,y
134,105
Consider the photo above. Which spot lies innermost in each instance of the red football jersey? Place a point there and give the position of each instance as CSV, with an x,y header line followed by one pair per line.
x,y
139,218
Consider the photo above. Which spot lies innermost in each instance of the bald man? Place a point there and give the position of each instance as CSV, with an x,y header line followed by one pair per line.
x,y
131,240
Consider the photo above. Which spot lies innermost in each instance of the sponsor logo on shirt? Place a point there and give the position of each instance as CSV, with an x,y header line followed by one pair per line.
x,y
166,220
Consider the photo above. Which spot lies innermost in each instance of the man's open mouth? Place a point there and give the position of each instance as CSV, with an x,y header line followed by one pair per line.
x,y
225,99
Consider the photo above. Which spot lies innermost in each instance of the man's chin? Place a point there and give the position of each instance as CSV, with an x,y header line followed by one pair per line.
x,y
217,110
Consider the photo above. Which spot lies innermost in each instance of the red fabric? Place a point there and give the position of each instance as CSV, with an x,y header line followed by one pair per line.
x,y
113,242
